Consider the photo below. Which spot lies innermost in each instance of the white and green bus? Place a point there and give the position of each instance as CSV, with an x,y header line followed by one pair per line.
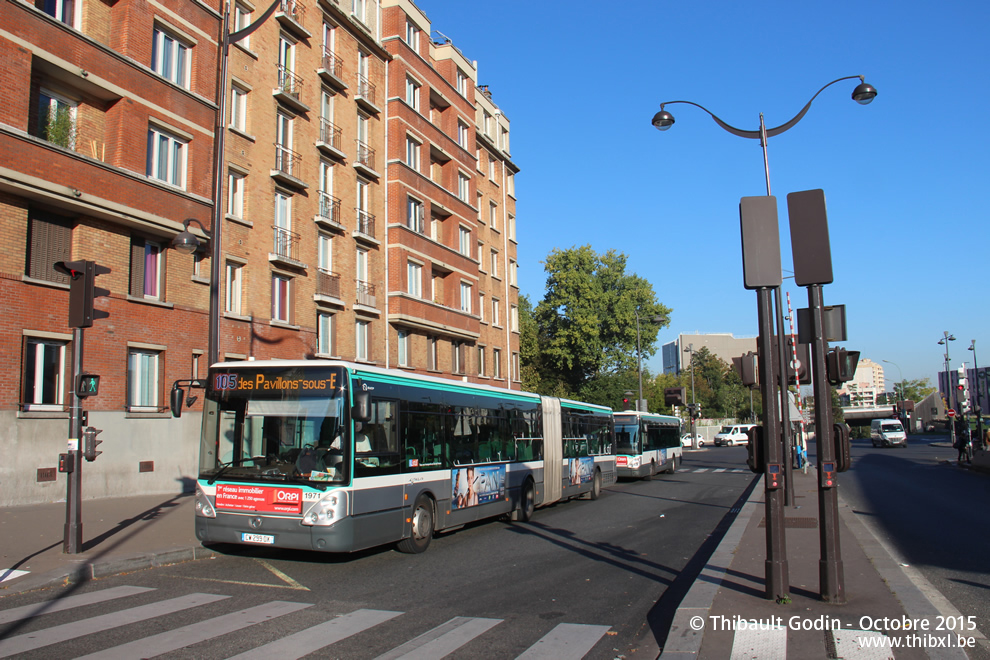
x,y
338,457
646,443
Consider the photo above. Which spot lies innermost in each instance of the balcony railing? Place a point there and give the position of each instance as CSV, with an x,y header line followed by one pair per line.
x,y
285,242
332,64
286,160
366,89
330,134
327,283
365,293
288,82
330,207
365,223
365,155
293,8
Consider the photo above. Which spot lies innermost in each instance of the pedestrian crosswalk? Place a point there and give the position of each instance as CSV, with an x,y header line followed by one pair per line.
x,y
20,631
716,470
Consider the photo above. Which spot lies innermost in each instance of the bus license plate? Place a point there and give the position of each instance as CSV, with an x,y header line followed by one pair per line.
x,y
258,538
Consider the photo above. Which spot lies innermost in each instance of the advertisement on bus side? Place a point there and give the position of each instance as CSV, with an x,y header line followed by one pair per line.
x,y
476,485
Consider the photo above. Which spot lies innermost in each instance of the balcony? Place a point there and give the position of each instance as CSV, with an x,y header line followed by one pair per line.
x,y
288,167
285,248
330,139
328,287
365,229
288,90
332,70
364,161
366,294
290,14
328,215
365,95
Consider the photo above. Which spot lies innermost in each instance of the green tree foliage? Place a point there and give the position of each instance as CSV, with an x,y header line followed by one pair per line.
x,y
585,326
718,388
914,390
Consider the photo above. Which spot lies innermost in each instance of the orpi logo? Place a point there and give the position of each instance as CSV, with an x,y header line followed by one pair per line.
x,y
288,496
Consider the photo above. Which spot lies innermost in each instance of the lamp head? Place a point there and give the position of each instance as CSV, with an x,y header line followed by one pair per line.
x,y
663,120
864,93
186,242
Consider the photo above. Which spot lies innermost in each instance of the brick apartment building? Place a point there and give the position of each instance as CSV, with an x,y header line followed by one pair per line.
x,y
107,136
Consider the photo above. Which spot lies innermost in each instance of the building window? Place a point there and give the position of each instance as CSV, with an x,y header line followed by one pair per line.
x,y
44,374
467,294
194,367
324,252
497,362
462,134
496,313
62,10
412,93
403,346
232,301
142,380
514,318
414,275
412,36
235,194
513,272
510,184
493,215
166,157
515,367
147,269
436,229
481,361
413,148
56,119
281,298
238,107
359,9
416,216
510,227
494,264
458,357
433,362
170,58
241,19
362,330
481,256
481,306
324,333
461,83
491,168
49,241
463,186
464,241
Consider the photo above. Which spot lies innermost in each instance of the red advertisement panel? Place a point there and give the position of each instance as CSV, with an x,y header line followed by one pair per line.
x,y
264,499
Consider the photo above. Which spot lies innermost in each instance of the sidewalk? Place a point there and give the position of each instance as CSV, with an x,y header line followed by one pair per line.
x,y
119,535
731,587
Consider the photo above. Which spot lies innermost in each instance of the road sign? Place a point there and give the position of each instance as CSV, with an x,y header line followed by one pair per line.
x,y
951,413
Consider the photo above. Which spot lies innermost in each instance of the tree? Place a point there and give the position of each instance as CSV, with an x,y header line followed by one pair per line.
x,y
586,322
914,390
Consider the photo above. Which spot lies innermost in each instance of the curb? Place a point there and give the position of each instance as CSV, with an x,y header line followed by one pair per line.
x,y
86,571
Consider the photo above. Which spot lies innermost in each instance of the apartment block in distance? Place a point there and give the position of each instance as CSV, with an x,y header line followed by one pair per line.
x,y
452,287
106,147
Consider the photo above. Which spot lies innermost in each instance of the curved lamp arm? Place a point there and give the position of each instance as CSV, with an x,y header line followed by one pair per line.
x,y
186,241
863,93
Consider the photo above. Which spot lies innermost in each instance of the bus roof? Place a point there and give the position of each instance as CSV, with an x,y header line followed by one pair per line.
x,y
656,417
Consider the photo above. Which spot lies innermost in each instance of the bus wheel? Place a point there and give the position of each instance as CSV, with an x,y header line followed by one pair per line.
x,y
422,527
596,485
653,471
527,503
672,468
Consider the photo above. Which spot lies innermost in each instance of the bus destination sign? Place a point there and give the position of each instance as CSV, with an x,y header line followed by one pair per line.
x,y
244,382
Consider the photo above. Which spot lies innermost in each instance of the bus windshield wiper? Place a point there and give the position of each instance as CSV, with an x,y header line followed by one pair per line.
x,y
227,466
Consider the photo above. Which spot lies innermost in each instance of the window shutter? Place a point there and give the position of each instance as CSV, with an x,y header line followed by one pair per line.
x,y
50,242
137,267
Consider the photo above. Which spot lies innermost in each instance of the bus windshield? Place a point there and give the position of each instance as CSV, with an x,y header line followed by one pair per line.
x,y
627,438
277,425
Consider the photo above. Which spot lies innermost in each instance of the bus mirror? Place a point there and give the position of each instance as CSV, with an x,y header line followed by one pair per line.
x,y
361,412
175,403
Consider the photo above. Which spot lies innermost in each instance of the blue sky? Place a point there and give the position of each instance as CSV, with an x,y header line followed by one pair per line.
x,y
580,82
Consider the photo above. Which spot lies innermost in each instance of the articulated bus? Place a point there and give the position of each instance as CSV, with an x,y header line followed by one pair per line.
x,y
646,443
333,456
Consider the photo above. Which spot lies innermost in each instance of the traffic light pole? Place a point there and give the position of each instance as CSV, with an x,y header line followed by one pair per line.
x,y
831,581
73,534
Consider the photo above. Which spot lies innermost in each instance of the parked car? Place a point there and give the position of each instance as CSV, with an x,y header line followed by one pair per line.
x,y
699,441
733,435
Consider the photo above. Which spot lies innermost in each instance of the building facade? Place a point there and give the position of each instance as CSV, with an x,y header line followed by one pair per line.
x,y
722,345
366,198
865,387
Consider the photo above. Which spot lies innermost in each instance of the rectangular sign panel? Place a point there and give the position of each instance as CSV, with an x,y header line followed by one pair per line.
x,y
263,499
476,485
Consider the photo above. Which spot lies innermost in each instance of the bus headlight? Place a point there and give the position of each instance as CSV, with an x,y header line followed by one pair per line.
x,y
634,462
327,510
203,505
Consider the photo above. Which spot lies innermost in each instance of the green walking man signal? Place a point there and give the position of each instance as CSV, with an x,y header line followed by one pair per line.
x,y
87,385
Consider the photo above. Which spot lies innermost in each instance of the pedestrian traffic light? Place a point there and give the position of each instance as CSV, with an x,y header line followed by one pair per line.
x,y
90,442
840,365
746,368
83,291
87,385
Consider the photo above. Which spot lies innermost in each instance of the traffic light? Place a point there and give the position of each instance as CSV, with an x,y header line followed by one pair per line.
x,y
90,442
627,401
840,365
745,367
674,396
87,385
83,291
697,411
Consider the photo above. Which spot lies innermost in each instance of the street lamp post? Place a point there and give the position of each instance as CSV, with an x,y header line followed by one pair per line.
x,y
832,587
901,375
659,320
979,397
944,341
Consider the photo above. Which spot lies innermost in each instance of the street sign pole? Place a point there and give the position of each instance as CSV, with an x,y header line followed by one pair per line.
x,y
73,534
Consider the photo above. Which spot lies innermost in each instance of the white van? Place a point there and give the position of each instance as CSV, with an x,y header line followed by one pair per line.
x,y
887,433
733,435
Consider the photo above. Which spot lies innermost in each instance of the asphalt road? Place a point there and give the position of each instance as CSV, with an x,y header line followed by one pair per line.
x,y
934,515
581,579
